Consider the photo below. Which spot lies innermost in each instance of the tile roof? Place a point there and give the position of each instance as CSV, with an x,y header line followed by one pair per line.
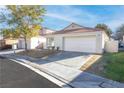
x,y
79,30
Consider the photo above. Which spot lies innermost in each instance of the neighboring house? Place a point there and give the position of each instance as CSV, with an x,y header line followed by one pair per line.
x,y
35,42
78,38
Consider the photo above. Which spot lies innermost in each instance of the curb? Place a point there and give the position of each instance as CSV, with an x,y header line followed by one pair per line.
x,y
45,74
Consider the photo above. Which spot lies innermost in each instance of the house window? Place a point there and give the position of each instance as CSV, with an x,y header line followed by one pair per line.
x,y
50,41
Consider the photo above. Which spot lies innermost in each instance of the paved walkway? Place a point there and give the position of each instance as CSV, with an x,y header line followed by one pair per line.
x,y
69,75
70,59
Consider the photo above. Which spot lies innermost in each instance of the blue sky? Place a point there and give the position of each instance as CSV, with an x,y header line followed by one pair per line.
x,y
58,17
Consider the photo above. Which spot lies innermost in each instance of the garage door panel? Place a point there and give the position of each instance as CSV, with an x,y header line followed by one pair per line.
x,y
80,44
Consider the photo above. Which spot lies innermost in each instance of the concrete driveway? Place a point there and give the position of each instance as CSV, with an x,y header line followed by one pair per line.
x,y
66,58
70,59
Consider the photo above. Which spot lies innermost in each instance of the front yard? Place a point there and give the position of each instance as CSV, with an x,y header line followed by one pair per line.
x,y
35,53
110,65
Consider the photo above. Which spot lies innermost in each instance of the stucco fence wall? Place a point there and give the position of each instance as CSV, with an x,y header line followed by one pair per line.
x,y
111,46
123,39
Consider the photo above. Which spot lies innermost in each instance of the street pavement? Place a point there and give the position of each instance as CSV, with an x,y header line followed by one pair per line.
x,y
14,75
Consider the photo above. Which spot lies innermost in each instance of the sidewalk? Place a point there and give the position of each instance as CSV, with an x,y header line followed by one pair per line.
x,y
10,51
68,75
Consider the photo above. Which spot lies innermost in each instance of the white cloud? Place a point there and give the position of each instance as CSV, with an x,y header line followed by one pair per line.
x,y
117,19
59,17
73,14
114,24
84,17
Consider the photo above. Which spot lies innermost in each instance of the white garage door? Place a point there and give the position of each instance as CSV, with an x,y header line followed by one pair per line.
x,y
80,44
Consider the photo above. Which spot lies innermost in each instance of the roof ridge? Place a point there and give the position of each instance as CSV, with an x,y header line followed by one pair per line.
x,y
71,24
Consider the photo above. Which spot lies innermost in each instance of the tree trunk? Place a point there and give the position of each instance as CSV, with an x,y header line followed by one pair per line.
x,y
25,44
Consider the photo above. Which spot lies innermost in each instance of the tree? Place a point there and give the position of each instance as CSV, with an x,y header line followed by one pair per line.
x,y
105,28
22,20
10,33
120,32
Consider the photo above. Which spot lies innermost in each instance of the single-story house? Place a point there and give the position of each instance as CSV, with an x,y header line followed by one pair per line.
x,y
35,42
78,38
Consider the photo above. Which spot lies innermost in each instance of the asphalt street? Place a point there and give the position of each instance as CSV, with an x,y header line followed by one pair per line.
x,y
14,75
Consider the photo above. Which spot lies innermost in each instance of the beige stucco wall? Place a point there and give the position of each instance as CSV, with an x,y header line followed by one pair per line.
x,y
58,42
11,41
111,46
99,48
72,26
105,38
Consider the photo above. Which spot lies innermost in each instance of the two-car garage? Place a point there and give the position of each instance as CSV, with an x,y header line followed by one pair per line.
x,y
80,44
